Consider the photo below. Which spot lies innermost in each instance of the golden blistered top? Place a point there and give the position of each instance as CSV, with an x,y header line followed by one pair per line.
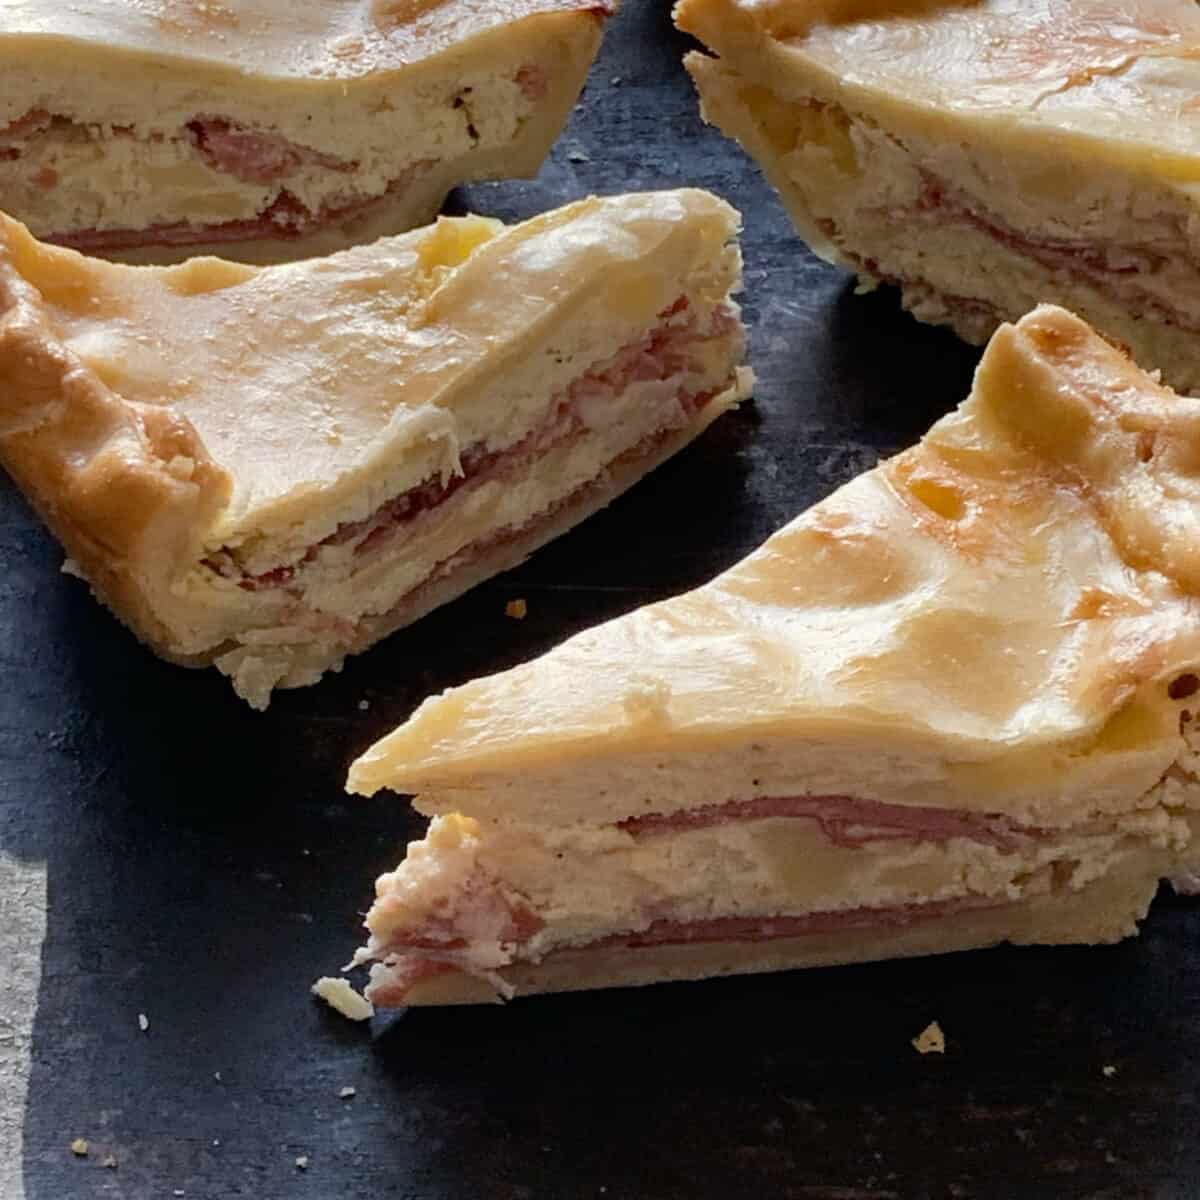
x,y
1124,74
1026,579
317,39
308,382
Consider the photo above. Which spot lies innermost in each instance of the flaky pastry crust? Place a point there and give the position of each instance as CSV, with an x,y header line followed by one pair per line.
x,y
1119,83
952,705
309,46
129,489
1003,618
162,419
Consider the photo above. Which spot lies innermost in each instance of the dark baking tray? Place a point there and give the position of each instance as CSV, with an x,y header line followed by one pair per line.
x,y
203,864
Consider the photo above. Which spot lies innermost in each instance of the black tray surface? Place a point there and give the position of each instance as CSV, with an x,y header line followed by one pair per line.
x,y
202,864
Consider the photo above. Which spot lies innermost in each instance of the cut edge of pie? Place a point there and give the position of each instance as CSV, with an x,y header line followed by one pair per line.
x,y
1068,177
282,160
458,396
953,704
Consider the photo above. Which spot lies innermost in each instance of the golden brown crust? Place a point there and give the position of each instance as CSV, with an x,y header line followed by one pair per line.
x,y
157,455
1065,74
910,639
127,488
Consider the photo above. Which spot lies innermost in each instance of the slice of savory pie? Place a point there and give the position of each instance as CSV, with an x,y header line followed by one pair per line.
x,y
273,467
952,705
271,128
982,156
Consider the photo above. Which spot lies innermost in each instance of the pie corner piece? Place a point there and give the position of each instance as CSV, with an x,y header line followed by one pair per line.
x,y
264,132
982,158
351,441
954,704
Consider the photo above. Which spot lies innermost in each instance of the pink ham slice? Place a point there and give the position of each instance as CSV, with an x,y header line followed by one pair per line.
x,y
664,352
1114,269
390,985
285,218
847,822
35,121
765,929
390,989
255,155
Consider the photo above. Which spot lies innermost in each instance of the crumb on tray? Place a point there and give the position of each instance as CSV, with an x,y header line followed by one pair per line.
x,y
339,995
931,1040
517,609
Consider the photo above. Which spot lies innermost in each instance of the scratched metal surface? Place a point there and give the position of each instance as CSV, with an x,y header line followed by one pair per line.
x,y
199,863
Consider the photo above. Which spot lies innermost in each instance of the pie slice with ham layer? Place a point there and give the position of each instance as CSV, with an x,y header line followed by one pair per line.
x,y
270,468
983,157
952,705
271,129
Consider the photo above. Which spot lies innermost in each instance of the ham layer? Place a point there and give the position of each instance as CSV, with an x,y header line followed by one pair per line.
x,y
392,981
479,924
1144,260
261,158
664,353
848,822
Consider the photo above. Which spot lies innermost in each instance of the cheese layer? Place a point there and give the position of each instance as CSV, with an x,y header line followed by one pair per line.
x,y
482,899
973,232
191,158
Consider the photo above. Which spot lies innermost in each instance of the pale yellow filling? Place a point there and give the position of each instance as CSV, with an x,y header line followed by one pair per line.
x,y
593,884
865,194
83,175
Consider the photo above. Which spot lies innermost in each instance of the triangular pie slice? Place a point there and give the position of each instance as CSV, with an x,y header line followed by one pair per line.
x,y
271,129
951,705
983,157
271,468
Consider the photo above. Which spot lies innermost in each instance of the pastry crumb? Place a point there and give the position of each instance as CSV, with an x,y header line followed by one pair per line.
x,y
931,1040
302,1162
79,1147
110,1161
517,609
347,1092
339,995
143,1022
578,156
1108,1070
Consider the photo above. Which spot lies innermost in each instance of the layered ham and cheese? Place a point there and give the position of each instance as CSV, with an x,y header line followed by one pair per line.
x,y
478,900
273,131
982,159
954,704
296,460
